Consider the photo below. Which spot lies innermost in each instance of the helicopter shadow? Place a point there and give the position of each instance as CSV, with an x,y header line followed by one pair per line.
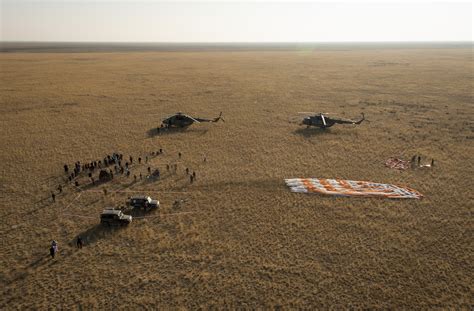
x,y
154,132
312,132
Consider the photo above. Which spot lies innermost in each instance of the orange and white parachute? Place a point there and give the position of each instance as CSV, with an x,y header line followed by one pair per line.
x,y
340,187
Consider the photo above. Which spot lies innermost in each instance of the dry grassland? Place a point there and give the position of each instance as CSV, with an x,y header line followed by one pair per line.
x,y
241,240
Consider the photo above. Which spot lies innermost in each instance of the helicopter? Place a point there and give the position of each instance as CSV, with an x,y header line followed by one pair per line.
x,y
182,120
322,120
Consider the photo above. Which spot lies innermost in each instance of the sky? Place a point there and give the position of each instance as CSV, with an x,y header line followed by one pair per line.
x,y
234,21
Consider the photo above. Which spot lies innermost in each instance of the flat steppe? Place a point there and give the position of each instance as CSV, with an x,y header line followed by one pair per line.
x,y
239,238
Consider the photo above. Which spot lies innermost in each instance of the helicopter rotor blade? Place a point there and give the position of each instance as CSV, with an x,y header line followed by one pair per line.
x,y
313,113
197,121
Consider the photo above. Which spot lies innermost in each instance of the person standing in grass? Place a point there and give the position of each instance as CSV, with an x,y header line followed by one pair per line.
x,y
79,242
53,249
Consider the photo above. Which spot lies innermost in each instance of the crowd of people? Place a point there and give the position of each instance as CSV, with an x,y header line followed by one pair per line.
x,y
113,164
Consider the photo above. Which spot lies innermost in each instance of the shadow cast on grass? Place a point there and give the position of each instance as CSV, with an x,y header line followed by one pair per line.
x,y
153,132
96,233
140,212
312,132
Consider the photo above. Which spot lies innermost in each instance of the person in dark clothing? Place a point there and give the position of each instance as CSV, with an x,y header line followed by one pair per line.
x,y
149,170
52,252
53,196
194,175
419,160
139,160
53,249
66,168
187,171
131,159
79,242
179,155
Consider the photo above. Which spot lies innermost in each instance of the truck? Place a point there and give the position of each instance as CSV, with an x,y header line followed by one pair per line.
x,y
142,201
114,217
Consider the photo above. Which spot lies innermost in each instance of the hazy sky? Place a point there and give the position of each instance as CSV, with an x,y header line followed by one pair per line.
x,y
237,21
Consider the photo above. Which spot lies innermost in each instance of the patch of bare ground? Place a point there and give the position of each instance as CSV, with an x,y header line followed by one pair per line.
x,y
239,239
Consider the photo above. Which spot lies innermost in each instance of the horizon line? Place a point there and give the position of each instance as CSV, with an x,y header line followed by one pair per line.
x,y
242,42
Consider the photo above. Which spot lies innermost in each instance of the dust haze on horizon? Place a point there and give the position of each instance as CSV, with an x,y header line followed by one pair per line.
x,y
245,21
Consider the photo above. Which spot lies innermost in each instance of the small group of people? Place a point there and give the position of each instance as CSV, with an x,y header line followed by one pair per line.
x,y
192,176
173,167
54,248
416,162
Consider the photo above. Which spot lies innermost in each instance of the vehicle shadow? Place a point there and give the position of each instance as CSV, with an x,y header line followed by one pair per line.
x,y
96,233
140,212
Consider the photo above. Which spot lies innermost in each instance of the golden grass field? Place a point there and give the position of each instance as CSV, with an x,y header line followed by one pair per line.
x,y
241,239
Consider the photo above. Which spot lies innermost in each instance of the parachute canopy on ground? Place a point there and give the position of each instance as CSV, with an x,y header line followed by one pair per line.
x,y
347,188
